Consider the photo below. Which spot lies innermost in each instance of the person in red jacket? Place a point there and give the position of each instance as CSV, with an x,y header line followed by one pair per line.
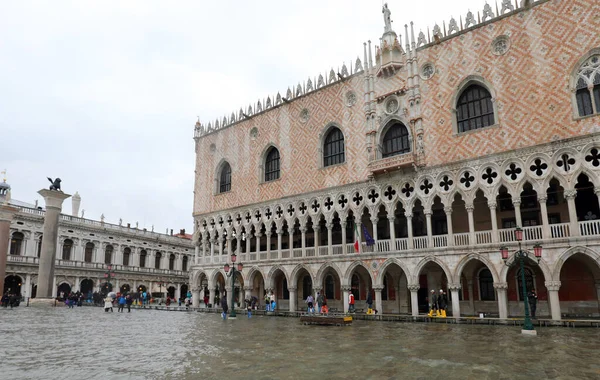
x,y
351,302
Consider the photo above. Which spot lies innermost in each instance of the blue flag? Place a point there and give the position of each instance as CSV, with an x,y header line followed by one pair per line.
x,y
368,238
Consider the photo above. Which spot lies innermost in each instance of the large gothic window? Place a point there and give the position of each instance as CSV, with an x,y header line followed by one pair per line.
x,y
486,286
108,254
67,247
16,243
225,178
333,149
157,260
474,109
395,141
143,255
89,252
126,255
172,262
587,89
272,165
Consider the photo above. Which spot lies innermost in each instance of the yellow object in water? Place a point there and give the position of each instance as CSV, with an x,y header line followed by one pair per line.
x,y
443,313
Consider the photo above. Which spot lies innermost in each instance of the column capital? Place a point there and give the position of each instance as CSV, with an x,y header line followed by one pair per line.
x,y
268,233
329,225
292,289
542,198
378,288
552,285
258,235
456,287
303,229
448,209
414,287
492,205
195,289
248,288
279,231
570,194
391,219
597,190
500,286
374,220
346,288
408,214
470,207
516,202
317,288
427,212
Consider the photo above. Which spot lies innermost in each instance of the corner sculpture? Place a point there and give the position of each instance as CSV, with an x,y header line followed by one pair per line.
x,y
55,185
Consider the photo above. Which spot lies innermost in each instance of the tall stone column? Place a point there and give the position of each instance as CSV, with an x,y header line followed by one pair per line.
x,y
598,291
378,301
429,228
454,289
470,208
492,207
374,222
471,299
448,212
279,236
409,229
7,214
501,288
53,200
517,206
544,211
392,221
414,299
293,298
303,232
344,248
329,238
553,299
345,295
27,292
268,233
196,297
197,253
247,292
570,197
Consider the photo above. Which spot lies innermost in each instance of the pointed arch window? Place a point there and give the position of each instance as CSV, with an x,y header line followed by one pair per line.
x,y
333,148
587,89
272,166
225,178
395,141
474,109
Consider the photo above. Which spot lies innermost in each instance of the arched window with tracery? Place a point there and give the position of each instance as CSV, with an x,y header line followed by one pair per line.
x,y
474,109
225,178
396,140
587,88
486,286
272,165
89,252
16,243
67,248
333,148
108,251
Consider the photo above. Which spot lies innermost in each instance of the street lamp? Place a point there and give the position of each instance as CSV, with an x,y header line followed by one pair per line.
x,y
231,274
110,273
522,255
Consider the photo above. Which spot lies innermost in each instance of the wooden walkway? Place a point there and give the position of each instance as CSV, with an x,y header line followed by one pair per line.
x,y
399,317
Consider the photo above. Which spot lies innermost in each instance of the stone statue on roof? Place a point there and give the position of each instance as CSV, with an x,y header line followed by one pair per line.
x,y
386,18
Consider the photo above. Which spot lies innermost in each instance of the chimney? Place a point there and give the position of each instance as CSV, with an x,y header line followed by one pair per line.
x,y
75,203
171,232
182,231
128,225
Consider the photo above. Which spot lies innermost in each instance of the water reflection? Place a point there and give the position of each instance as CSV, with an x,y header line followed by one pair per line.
x,y
89,343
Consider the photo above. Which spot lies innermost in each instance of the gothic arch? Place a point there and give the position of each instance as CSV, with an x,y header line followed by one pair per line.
x,y
464,84
272,271
213,277
347,279
424,262
294,275
323,135
383,268
385,125
217,174
474,256
572,251
197,276
511,260
321,272
249,278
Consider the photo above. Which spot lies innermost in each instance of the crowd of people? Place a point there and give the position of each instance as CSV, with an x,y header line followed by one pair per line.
x,y
10,299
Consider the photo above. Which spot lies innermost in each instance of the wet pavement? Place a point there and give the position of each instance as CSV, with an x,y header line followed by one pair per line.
x,y
61,343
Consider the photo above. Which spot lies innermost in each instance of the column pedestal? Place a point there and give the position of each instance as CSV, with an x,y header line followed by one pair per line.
x,y
293,298
414,299
378,301
53,200
501,288
553,299
345,295
454,289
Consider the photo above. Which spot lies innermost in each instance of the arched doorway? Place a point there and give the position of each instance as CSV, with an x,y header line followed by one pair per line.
x,y
578,293
87,286
332,289
280,290
12,285
477,294
171,292
534,280
431,277
395,296
63,290
183,292
125,289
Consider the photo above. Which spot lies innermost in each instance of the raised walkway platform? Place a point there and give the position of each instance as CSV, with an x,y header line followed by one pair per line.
x,y
400,317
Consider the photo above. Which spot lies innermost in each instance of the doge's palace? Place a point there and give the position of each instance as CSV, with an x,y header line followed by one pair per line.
x,y
408,171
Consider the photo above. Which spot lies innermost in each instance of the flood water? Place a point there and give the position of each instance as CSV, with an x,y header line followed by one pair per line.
x,y
87,343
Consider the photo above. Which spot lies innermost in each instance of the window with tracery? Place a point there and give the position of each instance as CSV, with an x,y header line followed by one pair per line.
x,y
395,141
272,166
587,88
225,178
334,149
474,109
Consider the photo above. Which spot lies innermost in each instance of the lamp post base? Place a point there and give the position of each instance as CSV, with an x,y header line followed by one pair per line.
x,y
529,332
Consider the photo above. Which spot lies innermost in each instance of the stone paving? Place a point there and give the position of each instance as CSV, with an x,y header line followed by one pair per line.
x,y
61,343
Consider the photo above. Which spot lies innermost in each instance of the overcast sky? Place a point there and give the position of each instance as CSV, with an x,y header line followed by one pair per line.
x,y
105,94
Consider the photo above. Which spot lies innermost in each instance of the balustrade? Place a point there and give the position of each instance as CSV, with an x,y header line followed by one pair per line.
x,y
532,233
440,240
350,248
338,249
297,252
483,237
383,245
560,230
589,227
323,251
402,244
420,242
461,239
310,251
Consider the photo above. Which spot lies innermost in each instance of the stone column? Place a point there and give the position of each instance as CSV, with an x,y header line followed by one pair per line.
x,y
517,205
544,211
317,289
492,207
291,240
471,299
378,301
268,233
303,232
78,252
211,294
258,235
344,248
54,289
247,292
375,237
53,200
501,288
228,240
279,238
429,228
248,243
27,292
178,292
196,297
196,253
329,238
573,225
448,212
409,229
7,214
76,285
470,209
31,245
598,291
293,298
359,227
392,221
212,249
454,289
414,299
553,299
316,237
345,295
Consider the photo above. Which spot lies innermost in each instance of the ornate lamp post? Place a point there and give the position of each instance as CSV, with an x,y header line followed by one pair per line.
x,y
231,274
522,255
110,273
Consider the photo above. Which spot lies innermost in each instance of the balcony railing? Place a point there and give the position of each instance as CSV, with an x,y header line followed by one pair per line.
x,y
392,163
100,266
507,235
